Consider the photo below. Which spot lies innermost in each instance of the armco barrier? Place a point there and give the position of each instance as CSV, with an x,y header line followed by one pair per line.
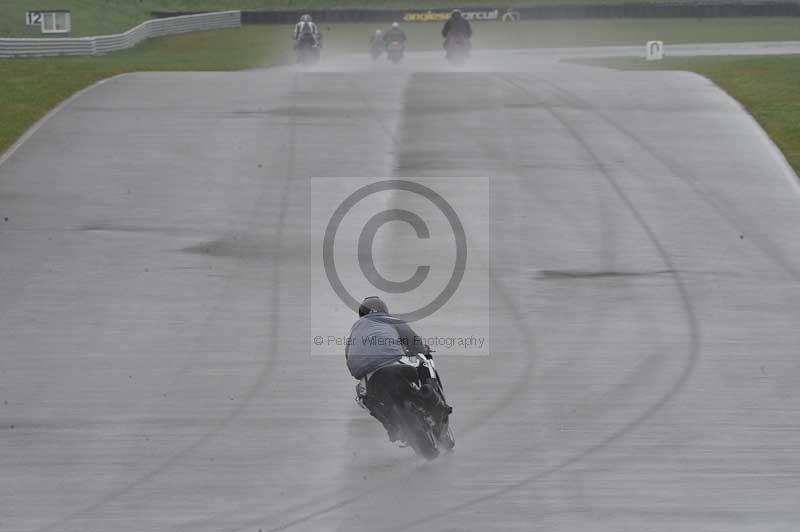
x,y
112,43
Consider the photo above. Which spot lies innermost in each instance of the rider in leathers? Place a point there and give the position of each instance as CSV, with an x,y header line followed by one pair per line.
x,y
395,34
377,39
306,25
456,24
377,341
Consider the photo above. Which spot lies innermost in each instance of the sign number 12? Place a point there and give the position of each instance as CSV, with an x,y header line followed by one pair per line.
x,y
34,18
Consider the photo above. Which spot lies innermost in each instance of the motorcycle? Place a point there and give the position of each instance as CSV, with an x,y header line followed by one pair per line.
x,y
418,407
307,49
377,49
457,47
395,51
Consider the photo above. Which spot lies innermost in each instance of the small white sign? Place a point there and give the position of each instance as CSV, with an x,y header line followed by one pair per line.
x,y
56,22
33,18
511,15
654,50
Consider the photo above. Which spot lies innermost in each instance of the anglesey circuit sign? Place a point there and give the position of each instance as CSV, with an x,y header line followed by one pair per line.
x,y
441,16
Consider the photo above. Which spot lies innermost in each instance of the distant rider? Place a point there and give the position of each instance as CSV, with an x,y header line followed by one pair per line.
x,y
376,344
306,26
395,34
376,38
456,25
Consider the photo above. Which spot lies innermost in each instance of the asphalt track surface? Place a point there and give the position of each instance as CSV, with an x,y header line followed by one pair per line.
x,y
645,275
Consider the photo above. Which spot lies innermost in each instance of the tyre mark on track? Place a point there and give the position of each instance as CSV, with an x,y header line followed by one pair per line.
x,y
608,232
521,383
387,130
725,214
514,392
263,375
692,324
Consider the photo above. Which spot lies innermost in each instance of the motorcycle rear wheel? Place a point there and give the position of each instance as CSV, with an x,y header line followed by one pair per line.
x,y
417,432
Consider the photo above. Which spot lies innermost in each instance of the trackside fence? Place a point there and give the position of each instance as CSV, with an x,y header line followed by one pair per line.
x,y
112,43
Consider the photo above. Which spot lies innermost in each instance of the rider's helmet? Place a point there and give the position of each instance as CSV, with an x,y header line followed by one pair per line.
x,y
305,18
395,25
372,304
378,32
456,13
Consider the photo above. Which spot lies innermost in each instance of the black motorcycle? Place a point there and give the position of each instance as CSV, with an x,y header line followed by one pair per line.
x,y
457,47
408,398
395,51
307,49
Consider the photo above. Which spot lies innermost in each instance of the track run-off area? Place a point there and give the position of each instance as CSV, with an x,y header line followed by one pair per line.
x,y
156,300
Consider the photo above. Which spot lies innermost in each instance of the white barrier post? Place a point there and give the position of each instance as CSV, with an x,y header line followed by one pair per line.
x,y
654,50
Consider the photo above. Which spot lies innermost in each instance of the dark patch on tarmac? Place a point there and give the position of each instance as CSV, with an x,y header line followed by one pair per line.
x,y
315,112
610,274
424,109
122,228
230,247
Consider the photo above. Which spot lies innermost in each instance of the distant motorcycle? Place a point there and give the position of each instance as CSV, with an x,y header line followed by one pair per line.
x,y
377,49
395,51
308,49
457,47
419,407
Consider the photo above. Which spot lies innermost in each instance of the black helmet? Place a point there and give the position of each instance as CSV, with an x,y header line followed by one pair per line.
x,y
456,13
372,304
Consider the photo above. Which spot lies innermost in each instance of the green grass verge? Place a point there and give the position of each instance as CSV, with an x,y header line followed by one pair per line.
x,y
567,33
98,17
602,32
767,86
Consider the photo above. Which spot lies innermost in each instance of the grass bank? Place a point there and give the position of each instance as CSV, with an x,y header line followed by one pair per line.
x,y
592,32
98,17
768,86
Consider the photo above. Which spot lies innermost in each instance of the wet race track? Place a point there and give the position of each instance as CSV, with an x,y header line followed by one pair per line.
x,y
641,274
